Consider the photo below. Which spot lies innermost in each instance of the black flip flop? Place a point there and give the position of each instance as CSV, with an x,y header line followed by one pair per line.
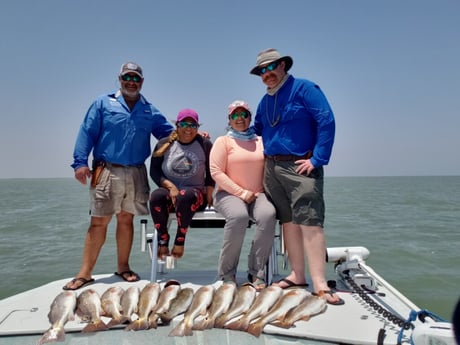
x,y
79,279
330,293
291,284
130,273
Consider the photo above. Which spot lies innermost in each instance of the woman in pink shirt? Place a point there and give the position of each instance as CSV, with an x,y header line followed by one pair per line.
x,y
237,167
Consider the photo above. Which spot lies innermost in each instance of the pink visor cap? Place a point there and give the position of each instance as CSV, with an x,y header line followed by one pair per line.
x,y
238,104
187,113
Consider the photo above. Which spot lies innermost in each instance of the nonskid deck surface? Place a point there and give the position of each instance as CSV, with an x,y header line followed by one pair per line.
x,y
356,322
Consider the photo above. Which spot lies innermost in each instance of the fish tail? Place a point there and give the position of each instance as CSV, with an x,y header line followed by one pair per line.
x,y
95,326
52,335
178,331
282,324
203,324
209,324
188,330
238,325
255,329
152,323
114,322
139,324
220,322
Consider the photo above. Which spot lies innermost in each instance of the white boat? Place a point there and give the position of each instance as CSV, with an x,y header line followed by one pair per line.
x,y
374,312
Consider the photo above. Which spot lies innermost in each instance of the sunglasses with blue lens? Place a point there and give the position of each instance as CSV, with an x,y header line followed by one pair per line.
x,y
134,78
236,115
184,124
268,68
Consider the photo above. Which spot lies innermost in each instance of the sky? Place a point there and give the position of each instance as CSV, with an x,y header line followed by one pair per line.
x,y
389,69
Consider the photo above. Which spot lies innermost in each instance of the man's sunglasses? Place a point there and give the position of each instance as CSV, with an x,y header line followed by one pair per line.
x,y
184,124
242,114
269,68
134,78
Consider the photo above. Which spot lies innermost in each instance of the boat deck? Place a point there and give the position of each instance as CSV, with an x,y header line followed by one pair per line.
x,y
356,322
374,311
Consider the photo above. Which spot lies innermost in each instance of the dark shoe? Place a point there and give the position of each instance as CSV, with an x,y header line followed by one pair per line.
x,y
83,281
125,275
290,284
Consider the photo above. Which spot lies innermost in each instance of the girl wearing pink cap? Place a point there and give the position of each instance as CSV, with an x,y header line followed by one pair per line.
x,y
180,168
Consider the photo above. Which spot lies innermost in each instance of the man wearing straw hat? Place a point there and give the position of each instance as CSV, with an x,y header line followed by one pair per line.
x,y
297,127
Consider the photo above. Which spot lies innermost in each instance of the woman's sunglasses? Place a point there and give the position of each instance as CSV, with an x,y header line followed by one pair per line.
x,y
242,114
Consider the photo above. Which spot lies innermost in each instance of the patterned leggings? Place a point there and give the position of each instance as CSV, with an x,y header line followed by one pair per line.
x,y
189,201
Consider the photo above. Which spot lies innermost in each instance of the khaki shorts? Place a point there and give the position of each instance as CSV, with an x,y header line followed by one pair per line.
x,y
120,189
297,198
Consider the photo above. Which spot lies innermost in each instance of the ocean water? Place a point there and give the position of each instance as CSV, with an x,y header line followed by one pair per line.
x,y
409,224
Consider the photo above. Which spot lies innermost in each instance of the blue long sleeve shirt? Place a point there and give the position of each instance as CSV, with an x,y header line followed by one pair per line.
x,y
116,134
295,120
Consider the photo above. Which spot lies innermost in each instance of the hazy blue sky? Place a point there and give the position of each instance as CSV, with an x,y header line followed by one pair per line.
x,y
390,70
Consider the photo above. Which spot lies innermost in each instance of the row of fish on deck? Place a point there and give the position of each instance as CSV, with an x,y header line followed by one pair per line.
x,y
228,306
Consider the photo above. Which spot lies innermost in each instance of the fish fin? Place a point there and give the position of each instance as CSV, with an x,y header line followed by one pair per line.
x,y
255,329
95,326
178,331
72,317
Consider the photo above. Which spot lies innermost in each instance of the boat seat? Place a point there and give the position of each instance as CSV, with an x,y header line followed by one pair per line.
x,y
208,218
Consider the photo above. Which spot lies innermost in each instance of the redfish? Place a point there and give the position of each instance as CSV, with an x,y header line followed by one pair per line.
x,y
90,310
200,303
288,301
61,310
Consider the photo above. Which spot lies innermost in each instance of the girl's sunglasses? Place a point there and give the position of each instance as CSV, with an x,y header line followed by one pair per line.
x,y
184,124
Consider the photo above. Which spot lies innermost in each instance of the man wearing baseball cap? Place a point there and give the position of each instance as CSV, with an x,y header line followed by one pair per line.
x,y
117,130
297,127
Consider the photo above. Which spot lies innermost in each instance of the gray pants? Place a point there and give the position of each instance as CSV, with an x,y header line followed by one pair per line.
x,y
237,214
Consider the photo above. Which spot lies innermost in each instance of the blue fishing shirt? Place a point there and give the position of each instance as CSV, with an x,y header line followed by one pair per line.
x,y
295,120
116,134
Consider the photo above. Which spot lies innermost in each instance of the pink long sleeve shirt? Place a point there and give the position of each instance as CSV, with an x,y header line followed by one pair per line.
x,y
237,166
